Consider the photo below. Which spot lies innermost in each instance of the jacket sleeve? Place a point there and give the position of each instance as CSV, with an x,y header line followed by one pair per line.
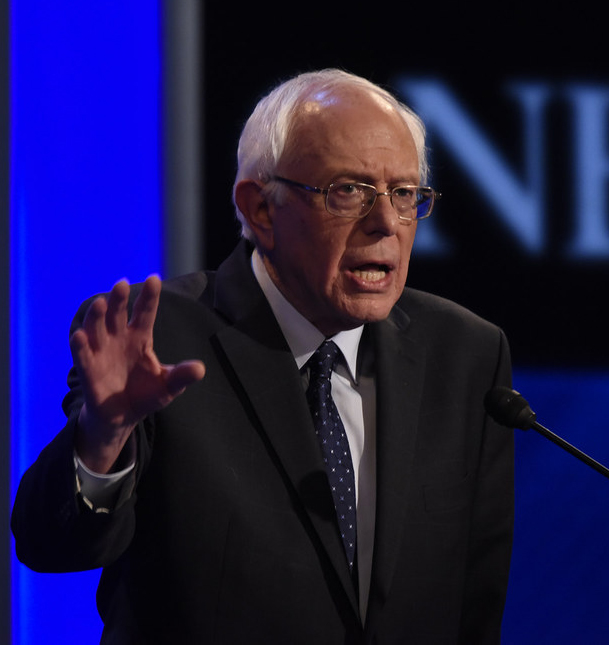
x,y
55,529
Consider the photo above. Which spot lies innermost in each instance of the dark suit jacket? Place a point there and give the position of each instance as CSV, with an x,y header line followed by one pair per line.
x,y
226,533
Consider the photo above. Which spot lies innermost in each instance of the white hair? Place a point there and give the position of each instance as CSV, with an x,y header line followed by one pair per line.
x,y
266,132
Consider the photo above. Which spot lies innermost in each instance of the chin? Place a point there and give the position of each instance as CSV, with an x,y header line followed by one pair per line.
x,y
375,309
353,312
363,315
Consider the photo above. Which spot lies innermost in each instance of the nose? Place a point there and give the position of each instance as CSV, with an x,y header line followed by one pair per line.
x,y
383,217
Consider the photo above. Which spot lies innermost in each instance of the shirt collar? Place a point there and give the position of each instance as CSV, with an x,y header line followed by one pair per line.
x,y
302,336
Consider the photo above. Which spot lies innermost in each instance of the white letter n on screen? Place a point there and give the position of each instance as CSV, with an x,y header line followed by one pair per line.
x,y
518,203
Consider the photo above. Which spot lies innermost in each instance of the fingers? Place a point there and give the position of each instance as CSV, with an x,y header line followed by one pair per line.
x,y
80,348
120,373
146,305
106,316
94,324
116,314
109,315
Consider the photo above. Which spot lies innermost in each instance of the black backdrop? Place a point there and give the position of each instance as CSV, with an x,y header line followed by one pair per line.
x,y
552,306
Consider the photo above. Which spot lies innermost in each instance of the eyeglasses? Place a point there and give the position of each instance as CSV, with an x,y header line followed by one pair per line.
x,y
352,199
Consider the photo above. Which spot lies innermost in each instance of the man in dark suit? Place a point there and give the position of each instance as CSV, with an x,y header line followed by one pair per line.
x,y
218,506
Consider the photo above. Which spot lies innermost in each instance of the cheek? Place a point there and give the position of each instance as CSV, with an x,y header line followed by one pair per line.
x,y
403,269
308,257
326,249
406,244
324,277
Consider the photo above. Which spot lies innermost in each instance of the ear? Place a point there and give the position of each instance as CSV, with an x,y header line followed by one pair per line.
x,y
251,201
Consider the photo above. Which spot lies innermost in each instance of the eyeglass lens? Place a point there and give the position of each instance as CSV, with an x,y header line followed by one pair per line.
x,y
356,200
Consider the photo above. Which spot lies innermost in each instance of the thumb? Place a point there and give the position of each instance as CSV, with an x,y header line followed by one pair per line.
x,y
180,376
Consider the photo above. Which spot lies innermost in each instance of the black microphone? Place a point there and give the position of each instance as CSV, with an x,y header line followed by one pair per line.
x,y
509,408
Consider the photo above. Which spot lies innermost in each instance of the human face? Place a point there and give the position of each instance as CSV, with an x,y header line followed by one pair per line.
x,y
342,272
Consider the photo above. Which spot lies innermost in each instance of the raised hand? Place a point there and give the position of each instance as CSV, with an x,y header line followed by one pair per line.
x,y
121,376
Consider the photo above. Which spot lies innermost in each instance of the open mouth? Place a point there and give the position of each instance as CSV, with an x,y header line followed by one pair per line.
x,y
372,272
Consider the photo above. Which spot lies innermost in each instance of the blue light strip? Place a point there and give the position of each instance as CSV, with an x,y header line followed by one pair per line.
x,y
85,211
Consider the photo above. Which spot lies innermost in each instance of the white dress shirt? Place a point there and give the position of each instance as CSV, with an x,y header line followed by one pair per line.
x,y
355,399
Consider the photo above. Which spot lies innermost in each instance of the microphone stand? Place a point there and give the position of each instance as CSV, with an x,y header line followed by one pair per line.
x,y
548,434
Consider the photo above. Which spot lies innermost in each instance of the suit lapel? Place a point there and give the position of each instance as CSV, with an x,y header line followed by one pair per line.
x,y
265,368
400,369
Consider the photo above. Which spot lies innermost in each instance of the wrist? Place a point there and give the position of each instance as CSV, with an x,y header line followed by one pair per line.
x,y
100,447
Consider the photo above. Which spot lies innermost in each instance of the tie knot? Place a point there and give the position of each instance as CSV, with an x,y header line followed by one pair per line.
x,y
324,360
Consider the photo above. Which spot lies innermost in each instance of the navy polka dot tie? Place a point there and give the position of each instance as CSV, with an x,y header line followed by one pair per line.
x,y
333,440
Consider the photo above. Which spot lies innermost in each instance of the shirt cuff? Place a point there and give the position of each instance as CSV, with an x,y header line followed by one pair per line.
x,y
99,492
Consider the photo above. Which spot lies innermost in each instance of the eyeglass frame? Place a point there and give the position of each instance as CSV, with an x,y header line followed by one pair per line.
x,y
434,196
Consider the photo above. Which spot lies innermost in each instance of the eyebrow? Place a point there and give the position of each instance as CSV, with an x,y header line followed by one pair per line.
x,y
366,179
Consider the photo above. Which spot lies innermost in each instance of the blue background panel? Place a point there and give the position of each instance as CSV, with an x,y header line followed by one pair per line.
x,y
85,212
558,583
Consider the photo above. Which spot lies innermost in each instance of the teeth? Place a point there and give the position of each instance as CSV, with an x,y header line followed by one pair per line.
x,y
369,276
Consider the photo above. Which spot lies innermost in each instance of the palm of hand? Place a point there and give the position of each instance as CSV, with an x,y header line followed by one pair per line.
x,y
121,376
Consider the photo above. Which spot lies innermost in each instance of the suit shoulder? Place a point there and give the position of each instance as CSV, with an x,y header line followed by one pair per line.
x,y
190,285
439,313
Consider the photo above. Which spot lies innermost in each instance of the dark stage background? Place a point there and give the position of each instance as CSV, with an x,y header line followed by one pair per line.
x,y
548,295
550,304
